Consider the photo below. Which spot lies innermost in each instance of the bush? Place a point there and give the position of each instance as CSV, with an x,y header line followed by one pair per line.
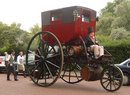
x,y
120,49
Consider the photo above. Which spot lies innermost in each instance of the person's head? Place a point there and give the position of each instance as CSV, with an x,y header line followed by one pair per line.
x,y
12,52
92,37
21,53
90,30
5,53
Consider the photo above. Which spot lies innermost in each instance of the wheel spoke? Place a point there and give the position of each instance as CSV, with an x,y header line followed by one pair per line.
x,y
65,69
52,48
34,61
52,63
39,52
114,84
105,81
44,47
78,67
52,56
118,79
49,71
105,78
34,68
112,78
76,74
34,53
108,84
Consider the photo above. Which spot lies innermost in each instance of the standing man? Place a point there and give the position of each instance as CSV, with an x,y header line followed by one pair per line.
x,y
11,66
20,62
7,57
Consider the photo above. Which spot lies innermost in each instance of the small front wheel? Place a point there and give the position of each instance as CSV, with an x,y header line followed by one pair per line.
x,y
111,78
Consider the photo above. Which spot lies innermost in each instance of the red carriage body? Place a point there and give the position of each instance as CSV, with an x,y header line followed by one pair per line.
x,y
69,23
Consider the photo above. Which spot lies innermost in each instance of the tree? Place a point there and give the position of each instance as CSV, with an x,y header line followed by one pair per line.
x,y
35,28
122,11
104,25
115,17
12,37
119,33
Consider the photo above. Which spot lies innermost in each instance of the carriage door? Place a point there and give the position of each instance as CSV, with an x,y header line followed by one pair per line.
x,y
85,17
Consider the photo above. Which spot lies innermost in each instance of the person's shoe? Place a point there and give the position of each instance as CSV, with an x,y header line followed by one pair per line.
x,y
8,79
24,76
16,79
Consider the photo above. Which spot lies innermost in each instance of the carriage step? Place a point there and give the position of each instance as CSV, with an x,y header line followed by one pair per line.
x,y
105,57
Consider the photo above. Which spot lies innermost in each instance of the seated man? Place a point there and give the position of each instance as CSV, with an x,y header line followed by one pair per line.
x,y
92,45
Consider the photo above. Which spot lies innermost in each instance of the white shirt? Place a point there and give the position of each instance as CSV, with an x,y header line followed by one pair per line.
x,y
7,57
20,59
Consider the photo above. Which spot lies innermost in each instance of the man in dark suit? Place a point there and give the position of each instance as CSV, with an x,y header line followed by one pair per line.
x,y
11,66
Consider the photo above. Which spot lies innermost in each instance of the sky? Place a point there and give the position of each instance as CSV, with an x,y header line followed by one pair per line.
x,y
28,12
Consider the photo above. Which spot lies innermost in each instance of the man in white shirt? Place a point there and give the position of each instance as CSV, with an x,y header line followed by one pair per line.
x,y
20,62
7,57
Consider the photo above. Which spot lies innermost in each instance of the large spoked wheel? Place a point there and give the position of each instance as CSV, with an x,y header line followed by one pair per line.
x,y
112,78
71,71
72,67
44,58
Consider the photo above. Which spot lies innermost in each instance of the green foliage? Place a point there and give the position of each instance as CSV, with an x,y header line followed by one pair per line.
x,y
120,49
35,28
120,52
122,12
12,37
114,19
113,29
104,25
119,33
108,9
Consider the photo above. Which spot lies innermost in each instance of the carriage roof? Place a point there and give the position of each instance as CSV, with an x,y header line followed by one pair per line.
x,y
66,13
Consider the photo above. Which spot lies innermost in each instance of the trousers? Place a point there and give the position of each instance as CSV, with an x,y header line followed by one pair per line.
x,y
11,69
98,50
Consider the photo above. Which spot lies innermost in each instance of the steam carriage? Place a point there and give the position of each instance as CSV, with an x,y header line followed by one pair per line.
x,y
59,51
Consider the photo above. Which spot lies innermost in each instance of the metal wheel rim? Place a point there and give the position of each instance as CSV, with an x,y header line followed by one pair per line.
x,y
113,81
71,75
57,75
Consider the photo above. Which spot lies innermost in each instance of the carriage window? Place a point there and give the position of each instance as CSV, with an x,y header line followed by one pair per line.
x,y
56,17
85,18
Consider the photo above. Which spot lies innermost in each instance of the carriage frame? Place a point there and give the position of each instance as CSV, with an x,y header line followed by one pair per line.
x,y
61,52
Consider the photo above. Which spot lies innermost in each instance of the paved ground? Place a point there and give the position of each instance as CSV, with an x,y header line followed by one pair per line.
x,y
26,87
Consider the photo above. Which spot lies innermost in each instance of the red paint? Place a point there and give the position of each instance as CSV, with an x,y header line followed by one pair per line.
x,y
66,32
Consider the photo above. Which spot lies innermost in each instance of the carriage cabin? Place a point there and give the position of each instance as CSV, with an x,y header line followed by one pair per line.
x,y
69,23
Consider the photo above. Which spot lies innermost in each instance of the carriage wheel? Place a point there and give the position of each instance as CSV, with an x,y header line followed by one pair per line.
x,y
71,71
112,78
44,58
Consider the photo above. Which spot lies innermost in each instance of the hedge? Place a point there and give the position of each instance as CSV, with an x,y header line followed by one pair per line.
x,y
119,53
